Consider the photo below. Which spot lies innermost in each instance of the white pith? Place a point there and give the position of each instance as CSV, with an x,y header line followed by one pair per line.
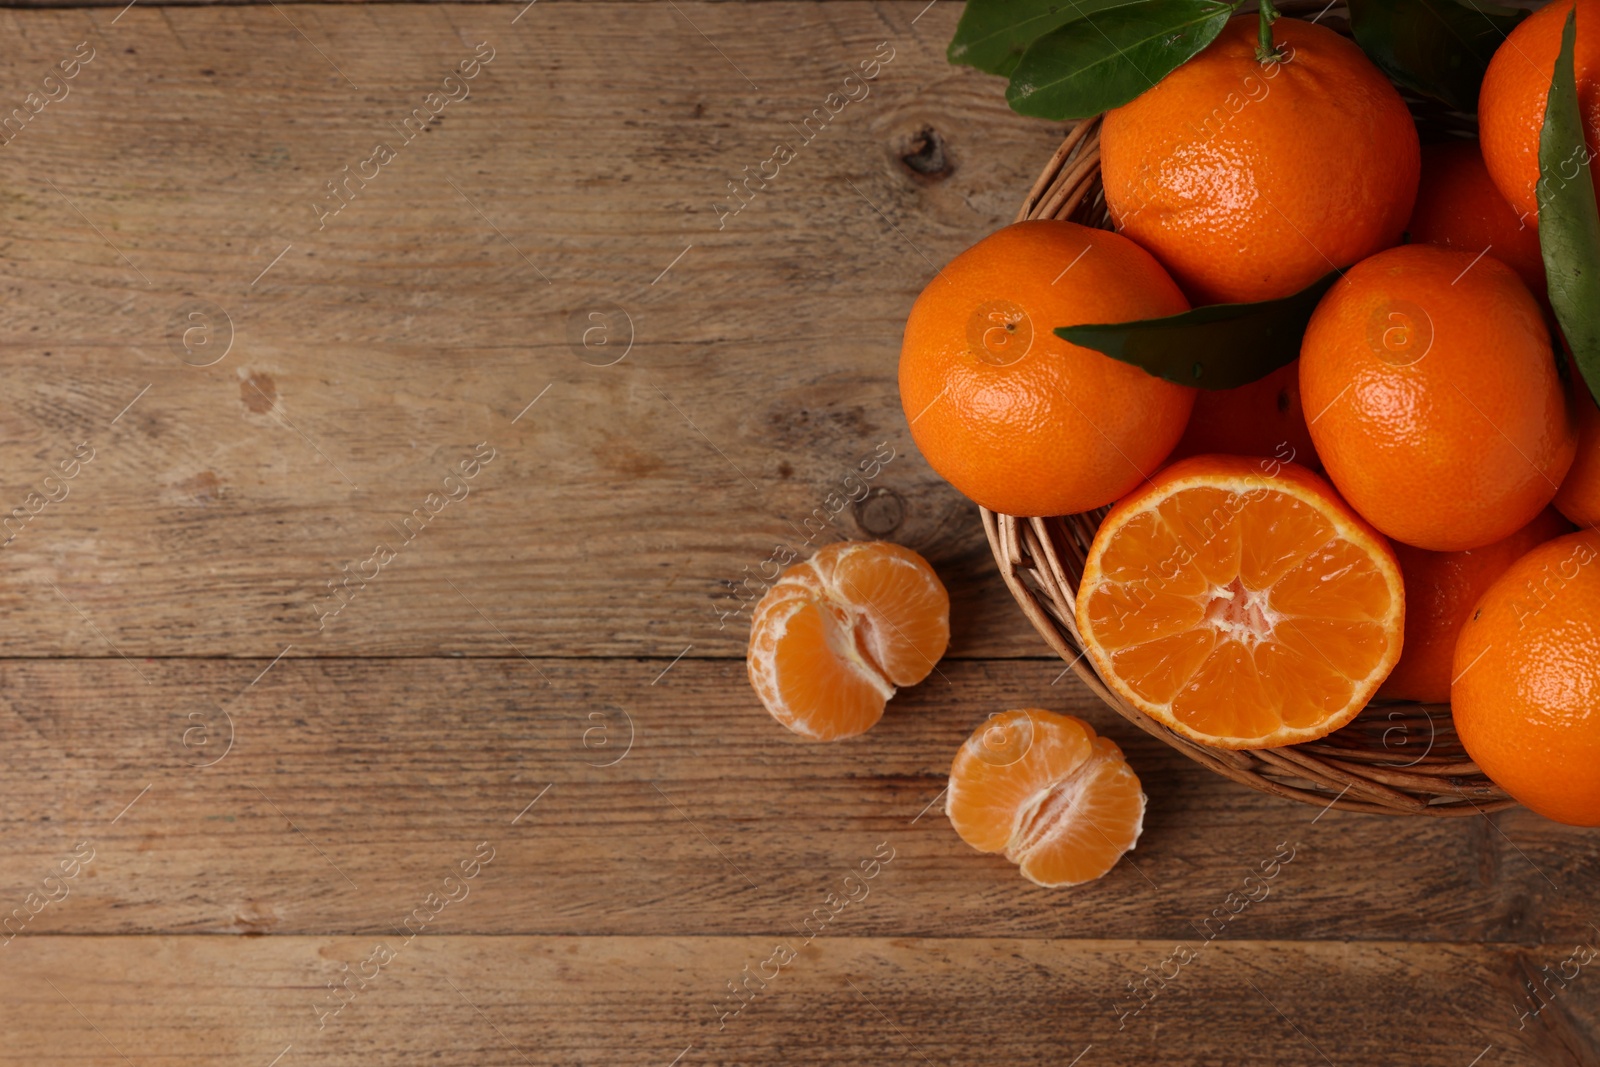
x,y
1073,788
1244,614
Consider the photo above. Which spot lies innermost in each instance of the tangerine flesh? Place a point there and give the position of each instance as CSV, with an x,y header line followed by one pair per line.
x,y
1241,603
1046,791
837,634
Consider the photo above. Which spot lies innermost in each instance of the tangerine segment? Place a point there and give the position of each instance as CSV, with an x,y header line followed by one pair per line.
x,y
1043,789
1241,603
903,610
836,634
806,669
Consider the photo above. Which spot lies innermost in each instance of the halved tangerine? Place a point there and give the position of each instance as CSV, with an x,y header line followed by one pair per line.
x,y
1042,788
1242,603
836,634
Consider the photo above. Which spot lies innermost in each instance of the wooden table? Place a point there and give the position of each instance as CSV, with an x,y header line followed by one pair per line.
x,y
373,685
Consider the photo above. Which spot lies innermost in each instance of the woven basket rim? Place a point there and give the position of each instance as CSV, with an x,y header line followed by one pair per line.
x,y
1041,561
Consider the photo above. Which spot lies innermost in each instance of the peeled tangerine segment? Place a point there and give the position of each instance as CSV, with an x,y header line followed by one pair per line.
x,y
1242,608
1057,800
836,634
901,608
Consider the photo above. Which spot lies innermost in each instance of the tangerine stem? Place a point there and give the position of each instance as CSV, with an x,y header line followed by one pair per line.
x,y
1267,50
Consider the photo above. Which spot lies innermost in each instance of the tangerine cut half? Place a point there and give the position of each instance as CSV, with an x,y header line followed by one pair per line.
x,y
1241,603
835,635
1060,802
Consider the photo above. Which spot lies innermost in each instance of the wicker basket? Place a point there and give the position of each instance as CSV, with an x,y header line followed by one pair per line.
x,y
1394,758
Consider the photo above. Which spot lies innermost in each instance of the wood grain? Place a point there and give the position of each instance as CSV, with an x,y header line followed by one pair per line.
x,y
368,361
525,1000
350,783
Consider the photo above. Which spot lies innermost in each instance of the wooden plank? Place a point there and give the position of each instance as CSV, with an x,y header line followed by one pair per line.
x,y
353,784
179,186
89,1001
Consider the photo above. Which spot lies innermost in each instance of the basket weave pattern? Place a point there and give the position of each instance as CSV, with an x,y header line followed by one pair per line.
x,y
1394,758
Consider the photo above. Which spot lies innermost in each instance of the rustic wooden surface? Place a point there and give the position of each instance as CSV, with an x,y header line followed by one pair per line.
x,y
551,665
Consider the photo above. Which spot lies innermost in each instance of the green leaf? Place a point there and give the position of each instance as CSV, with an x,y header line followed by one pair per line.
x,y
1093,64
1569,221
1216,347
1439,48
993,34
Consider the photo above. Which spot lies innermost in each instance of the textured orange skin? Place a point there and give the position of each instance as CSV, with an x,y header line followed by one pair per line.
x,y
1526,700
1061,429
1251,182
1264,418
1459,206
1579,499
1516,87
1442,588
1462,447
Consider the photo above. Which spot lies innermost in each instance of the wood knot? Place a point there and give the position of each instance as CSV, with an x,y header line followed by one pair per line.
x,y
880,512
926,158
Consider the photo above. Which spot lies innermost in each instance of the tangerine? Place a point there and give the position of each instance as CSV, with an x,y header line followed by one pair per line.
x,y
1437,407
1442,588
1527,671
1059,801
1579,498
1459,206
1250,181
1263,418
1013,416
836,634
1516,87
1241,603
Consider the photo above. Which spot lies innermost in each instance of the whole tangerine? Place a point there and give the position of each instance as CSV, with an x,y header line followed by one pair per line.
x,y
1526,699
1459,206
1016,418
1516,87
1442,588
1579,498
1263,418
1436,405
1251,180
